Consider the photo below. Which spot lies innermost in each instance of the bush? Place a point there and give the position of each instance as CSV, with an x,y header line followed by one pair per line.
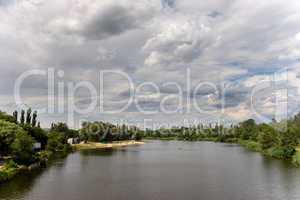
x,y
8,132
23,148
254,146
281,152
8,118
296,159
9,171
38,134
268,137
10,164
43,156
55,142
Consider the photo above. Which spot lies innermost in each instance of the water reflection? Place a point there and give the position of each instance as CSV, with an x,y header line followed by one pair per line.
x,y
98,152
160,170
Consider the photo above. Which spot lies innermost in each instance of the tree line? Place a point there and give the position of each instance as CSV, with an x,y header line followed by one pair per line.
x,y
107,132
277,139
20,133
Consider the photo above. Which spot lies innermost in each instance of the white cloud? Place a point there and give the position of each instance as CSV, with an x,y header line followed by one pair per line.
x,y
236,42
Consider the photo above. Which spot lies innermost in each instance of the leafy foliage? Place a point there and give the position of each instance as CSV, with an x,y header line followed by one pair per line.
x,y
107,132
23,148
6,117
8,133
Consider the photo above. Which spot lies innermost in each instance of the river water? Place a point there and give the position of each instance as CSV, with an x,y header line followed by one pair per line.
x,y
160,170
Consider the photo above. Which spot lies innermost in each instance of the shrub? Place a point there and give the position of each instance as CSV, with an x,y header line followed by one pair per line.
x,y
280,152
23,148
254,146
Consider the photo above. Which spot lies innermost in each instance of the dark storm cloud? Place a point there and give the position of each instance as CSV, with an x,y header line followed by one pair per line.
x,y
6,2
214,14
233,99
115,20
168,3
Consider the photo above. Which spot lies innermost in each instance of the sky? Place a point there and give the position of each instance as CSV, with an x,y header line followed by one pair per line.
x,y
151,62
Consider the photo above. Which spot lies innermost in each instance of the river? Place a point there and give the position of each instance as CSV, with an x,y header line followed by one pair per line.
x,y
160,170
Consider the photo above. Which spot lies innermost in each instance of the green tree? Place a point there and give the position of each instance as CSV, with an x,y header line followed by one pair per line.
x,y
22,119
8,132
23,148
34,119
107,136
138,136
55,142
291,136
15,115
248,130
37,133
60,127
267,136
28,116
4,116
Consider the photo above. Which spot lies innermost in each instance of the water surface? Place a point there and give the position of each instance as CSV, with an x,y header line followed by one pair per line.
x,y
160,170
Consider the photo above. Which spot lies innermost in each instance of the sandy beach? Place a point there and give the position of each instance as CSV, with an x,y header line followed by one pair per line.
x,y
94,145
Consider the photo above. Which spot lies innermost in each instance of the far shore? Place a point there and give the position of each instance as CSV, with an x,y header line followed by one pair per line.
x,y
95,145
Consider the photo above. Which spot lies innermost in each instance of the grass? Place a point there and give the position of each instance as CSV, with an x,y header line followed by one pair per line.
x,y
296,157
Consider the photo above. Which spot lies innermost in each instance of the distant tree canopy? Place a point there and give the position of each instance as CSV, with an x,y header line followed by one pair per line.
x,y
6,117
278,139
18,133
107,132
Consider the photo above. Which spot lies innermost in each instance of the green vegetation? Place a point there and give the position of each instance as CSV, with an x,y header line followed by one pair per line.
x,y
107,132
22,148
274,139
18,140
9,170
296,158
24,143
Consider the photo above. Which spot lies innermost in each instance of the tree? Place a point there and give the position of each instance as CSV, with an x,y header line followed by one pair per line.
x,y
28,116
22,119
5,117
37,134
8,132
107,136
291,136
138,136
23,148
34,117
83,133
60,127
267,136
55,142
15,115
248,130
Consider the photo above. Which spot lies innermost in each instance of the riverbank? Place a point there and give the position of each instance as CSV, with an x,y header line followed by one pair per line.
x,y
277,152
274,152
8,171
296,157
94,145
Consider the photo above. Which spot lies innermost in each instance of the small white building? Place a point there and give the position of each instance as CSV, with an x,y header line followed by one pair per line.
x,y
73,141
37,146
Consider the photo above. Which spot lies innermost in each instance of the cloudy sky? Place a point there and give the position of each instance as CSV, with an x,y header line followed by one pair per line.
x,y
233,59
